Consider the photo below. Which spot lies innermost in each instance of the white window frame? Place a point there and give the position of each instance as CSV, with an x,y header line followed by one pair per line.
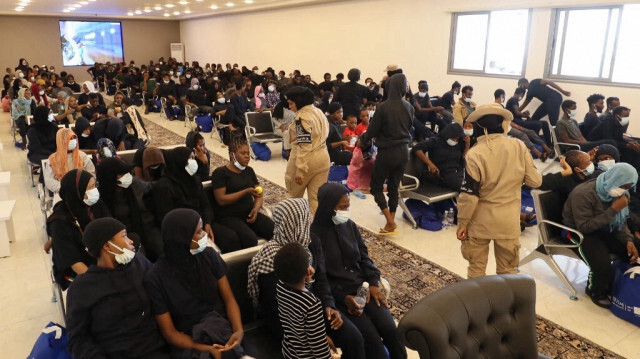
x,y
452,45
552,49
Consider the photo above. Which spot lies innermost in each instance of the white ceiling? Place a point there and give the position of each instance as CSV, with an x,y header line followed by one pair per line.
x,y
144,9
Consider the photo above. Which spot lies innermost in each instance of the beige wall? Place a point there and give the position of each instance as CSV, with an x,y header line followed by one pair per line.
x,y
38,40
370,34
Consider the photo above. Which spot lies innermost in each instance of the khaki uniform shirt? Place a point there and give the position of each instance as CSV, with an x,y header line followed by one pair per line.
x,y
308,134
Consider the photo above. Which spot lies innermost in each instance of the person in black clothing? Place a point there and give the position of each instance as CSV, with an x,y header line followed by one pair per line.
x,y
94,110
336,84
108,310
41,135
606,156
195,142
336,144
348,265
87,89
391,126
238,198
71,83
522,118
80,205
240,102
326,85
592,118
614,127
577,168
196,97
113,129
350,94
83,130
327,98
427,115
190,294
445,163
123,194
612,103
182,87
447,100
167,89
551,100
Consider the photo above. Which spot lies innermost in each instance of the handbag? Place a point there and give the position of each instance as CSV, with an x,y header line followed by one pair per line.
x,y
625,296
205,122
51,344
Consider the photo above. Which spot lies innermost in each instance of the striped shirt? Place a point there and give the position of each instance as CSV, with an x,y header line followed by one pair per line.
x,y
302,323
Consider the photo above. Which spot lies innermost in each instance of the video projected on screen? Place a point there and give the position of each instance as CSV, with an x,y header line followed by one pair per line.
x,y
84,43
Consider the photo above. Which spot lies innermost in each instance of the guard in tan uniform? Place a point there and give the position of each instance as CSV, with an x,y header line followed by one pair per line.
x,y
489,202
308,166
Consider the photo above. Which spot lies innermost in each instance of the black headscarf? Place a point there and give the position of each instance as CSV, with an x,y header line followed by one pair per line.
x,y
73,186
114,130
193,271
329,195
191,141
41,118
176,160
606,149
453,130
301,96
81,125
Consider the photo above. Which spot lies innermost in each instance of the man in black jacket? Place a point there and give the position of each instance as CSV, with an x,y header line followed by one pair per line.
x,y
614,127
350,95
167,89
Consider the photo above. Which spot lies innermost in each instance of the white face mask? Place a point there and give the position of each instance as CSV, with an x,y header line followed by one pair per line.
x,y
188,76
616,192
125,257
71,82
32,78
51,117
157,69
573,113
261,95
255,72
202,245
340,217
41,92
605,164
237,164
589,170
468,132
106,152
624,121
371,112
72,144
191,167
330,99
92,197
451,142
195,87
84,135
467,99
166,81
21,75
125,180
271,88
170,72
422,94
215,78
222,100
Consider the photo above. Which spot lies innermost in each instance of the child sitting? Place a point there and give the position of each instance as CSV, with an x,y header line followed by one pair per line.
x,y
446,156
349,133
364,122
299,310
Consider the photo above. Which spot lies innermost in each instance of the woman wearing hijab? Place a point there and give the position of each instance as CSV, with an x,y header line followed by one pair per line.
x,y
348,265
23,66
151,165
445,163
179,188
599,210
259,99
291,218
80,205
124,195
108,309
273,97
22,107
195,142
89,88
82,129
106,149
113,129
190,293
197,97
114,109
308,166
137,136
238,198
67,157
41,135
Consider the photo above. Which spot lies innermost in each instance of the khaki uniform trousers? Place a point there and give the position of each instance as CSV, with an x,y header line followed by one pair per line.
x,y
311,183
476,252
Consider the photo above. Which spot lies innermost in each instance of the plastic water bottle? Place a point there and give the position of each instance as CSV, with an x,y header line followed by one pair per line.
x,y
361,296
450,217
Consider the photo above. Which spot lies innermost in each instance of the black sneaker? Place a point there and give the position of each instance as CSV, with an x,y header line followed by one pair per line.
x,y
599,300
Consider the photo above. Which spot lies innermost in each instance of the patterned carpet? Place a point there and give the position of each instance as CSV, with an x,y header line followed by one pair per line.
x,y
413,277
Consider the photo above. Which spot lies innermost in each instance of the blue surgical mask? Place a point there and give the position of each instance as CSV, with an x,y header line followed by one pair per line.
x,y
340,217
202,245
451,142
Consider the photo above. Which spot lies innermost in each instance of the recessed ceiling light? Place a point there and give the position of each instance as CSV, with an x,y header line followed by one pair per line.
x,y
92,0
248,1
18,9
147,10
130,13
166,14
199,0
229,4
23,3
176,12
65,10
187,11
183,2
158,7
213,7
84,2
138,12
75,6
169,5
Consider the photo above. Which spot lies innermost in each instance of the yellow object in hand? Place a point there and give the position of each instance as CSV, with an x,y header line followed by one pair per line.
x,y
258,190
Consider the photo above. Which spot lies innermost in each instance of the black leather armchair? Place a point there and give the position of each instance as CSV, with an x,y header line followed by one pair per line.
x,y
486,317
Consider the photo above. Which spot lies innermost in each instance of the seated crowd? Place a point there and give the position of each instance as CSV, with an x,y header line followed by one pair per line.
x,y
138,244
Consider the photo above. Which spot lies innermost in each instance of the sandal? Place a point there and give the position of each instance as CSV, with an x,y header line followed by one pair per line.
x,y
384,232
544,156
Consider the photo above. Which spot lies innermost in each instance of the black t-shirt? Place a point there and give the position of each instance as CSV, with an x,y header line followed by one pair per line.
x,y
447,101
234,182
539,91
326,86
511,103
168,294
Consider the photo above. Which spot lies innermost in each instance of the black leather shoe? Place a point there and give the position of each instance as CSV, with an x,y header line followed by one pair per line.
x,y
599,300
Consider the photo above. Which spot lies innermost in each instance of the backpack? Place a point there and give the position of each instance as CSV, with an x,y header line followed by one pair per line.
x,y
429,216
205,122
6,104
51,344
338,174
261,151
156,105
625,296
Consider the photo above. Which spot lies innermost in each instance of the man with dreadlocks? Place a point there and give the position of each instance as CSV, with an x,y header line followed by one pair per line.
x,y
238,198
489,202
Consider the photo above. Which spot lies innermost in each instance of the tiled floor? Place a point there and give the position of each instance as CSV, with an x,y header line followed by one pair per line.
x,y
25,292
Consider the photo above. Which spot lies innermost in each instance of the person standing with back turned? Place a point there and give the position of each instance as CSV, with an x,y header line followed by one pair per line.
x,y
489,202
391,127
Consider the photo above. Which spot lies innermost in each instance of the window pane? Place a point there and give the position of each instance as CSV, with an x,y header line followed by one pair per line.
x,y
625,68
471,34
558,43
584,42
506,42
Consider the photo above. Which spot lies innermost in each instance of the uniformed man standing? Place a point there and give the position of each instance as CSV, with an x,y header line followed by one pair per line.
x,y
489,202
